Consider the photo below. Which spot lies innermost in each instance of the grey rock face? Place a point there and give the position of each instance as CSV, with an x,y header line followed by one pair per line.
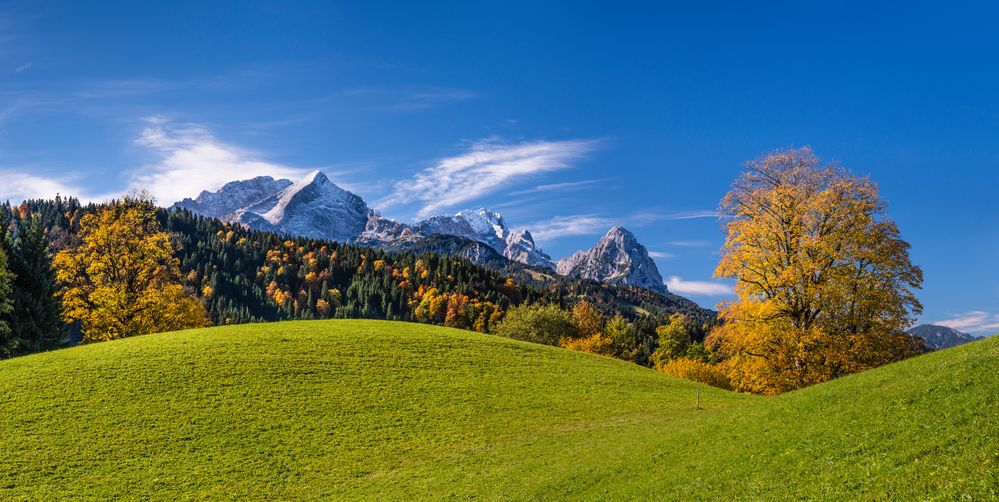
x,y
312,207
233,196
316,207
383,232
617,258
488,228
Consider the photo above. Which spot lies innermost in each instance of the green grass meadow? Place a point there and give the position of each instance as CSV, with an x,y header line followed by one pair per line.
x,y
388,410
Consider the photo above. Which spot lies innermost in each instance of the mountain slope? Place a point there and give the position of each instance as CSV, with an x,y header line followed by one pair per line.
x,y
941,337
382,410
233,196
489,228
311,207
617,258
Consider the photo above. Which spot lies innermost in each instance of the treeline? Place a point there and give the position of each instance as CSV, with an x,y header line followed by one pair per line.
x,y
241,276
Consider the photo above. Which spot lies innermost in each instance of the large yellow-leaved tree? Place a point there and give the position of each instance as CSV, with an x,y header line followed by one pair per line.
x,y
823,277
123,279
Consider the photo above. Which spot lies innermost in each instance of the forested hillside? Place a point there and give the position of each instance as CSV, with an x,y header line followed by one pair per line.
x,y
251,276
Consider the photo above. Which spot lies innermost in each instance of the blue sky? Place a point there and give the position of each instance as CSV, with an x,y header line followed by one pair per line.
x,y
567,117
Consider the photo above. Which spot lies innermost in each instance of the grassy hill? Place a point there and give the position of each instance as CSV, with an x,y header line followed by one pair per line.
x,y
350,409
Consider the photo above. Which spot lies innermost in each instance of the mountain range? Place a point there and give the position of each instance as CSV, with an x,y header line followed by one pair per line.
x,y
941,337
316,207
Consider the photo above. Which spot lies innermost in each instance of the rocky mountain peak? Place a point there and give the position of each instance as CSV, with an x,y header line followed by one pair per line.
x,y
617,258
488,227
313,206
233,196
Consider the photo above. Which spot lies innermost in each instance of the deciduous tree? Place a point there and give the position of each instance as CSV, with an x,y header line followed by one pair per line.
x,y
537,323
824,281
674,339
123,279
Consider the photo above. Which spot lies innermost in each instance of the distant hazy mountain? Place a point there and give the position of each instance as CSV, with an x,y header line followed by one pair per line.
x,y
617,258
941,337
315,207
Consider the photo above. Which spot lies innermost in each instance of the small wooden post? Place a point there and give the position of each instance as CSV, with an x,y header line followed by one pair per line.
x,y
698,398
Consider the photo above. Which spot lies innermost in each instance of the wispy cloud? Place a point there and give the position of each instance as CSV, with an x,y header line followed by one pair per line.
x,y
703,288
592,224
488,166
410,98
189,158
562,187
645,217
660,254
567,226
23,67
689,244
975,321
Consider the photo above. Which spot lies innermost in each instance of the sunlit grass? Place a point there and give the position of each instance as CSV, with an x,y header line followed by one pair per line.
x,y
375,409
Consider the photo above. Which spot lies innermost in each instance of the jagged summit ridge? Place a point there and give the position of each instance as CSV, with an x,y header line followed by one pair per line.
x,y
617,258
233,196
488,228
316,207
312,207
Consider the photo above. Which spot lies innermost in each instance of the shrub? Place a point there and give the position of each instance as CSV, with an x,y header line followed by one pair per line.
x,y
697,371
595,344
545,324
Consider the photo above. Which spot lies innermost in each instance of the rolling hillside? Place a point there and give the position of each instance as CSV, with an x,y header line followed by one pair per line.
x,y
349,409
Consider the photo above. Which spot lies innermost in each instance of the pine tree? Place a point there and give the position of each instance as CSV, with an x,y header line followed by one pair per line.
x,y
7,341
37,316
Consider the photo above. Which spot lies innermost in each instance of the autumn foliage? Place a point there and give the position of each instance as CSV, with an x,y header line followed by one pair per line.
x,y
824,281
697,371
123,279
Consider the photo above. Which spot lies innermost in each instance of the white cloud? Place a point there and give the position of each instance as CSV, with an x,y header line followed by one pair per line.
x,y
590,224
566,226
17,185
562,187
660,254
975,321
486,167
645,217
703,288
192,159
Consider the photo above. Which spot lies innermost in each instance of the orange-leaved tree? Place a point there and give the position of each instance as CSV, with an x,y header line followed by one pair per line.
x,y
123,279
824,283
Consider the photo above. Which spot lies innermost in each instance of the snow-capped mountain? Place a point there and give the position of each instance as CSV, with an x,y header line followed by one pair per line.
x,y
488,228
315,207
311,207
234,196
386,233
617,258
